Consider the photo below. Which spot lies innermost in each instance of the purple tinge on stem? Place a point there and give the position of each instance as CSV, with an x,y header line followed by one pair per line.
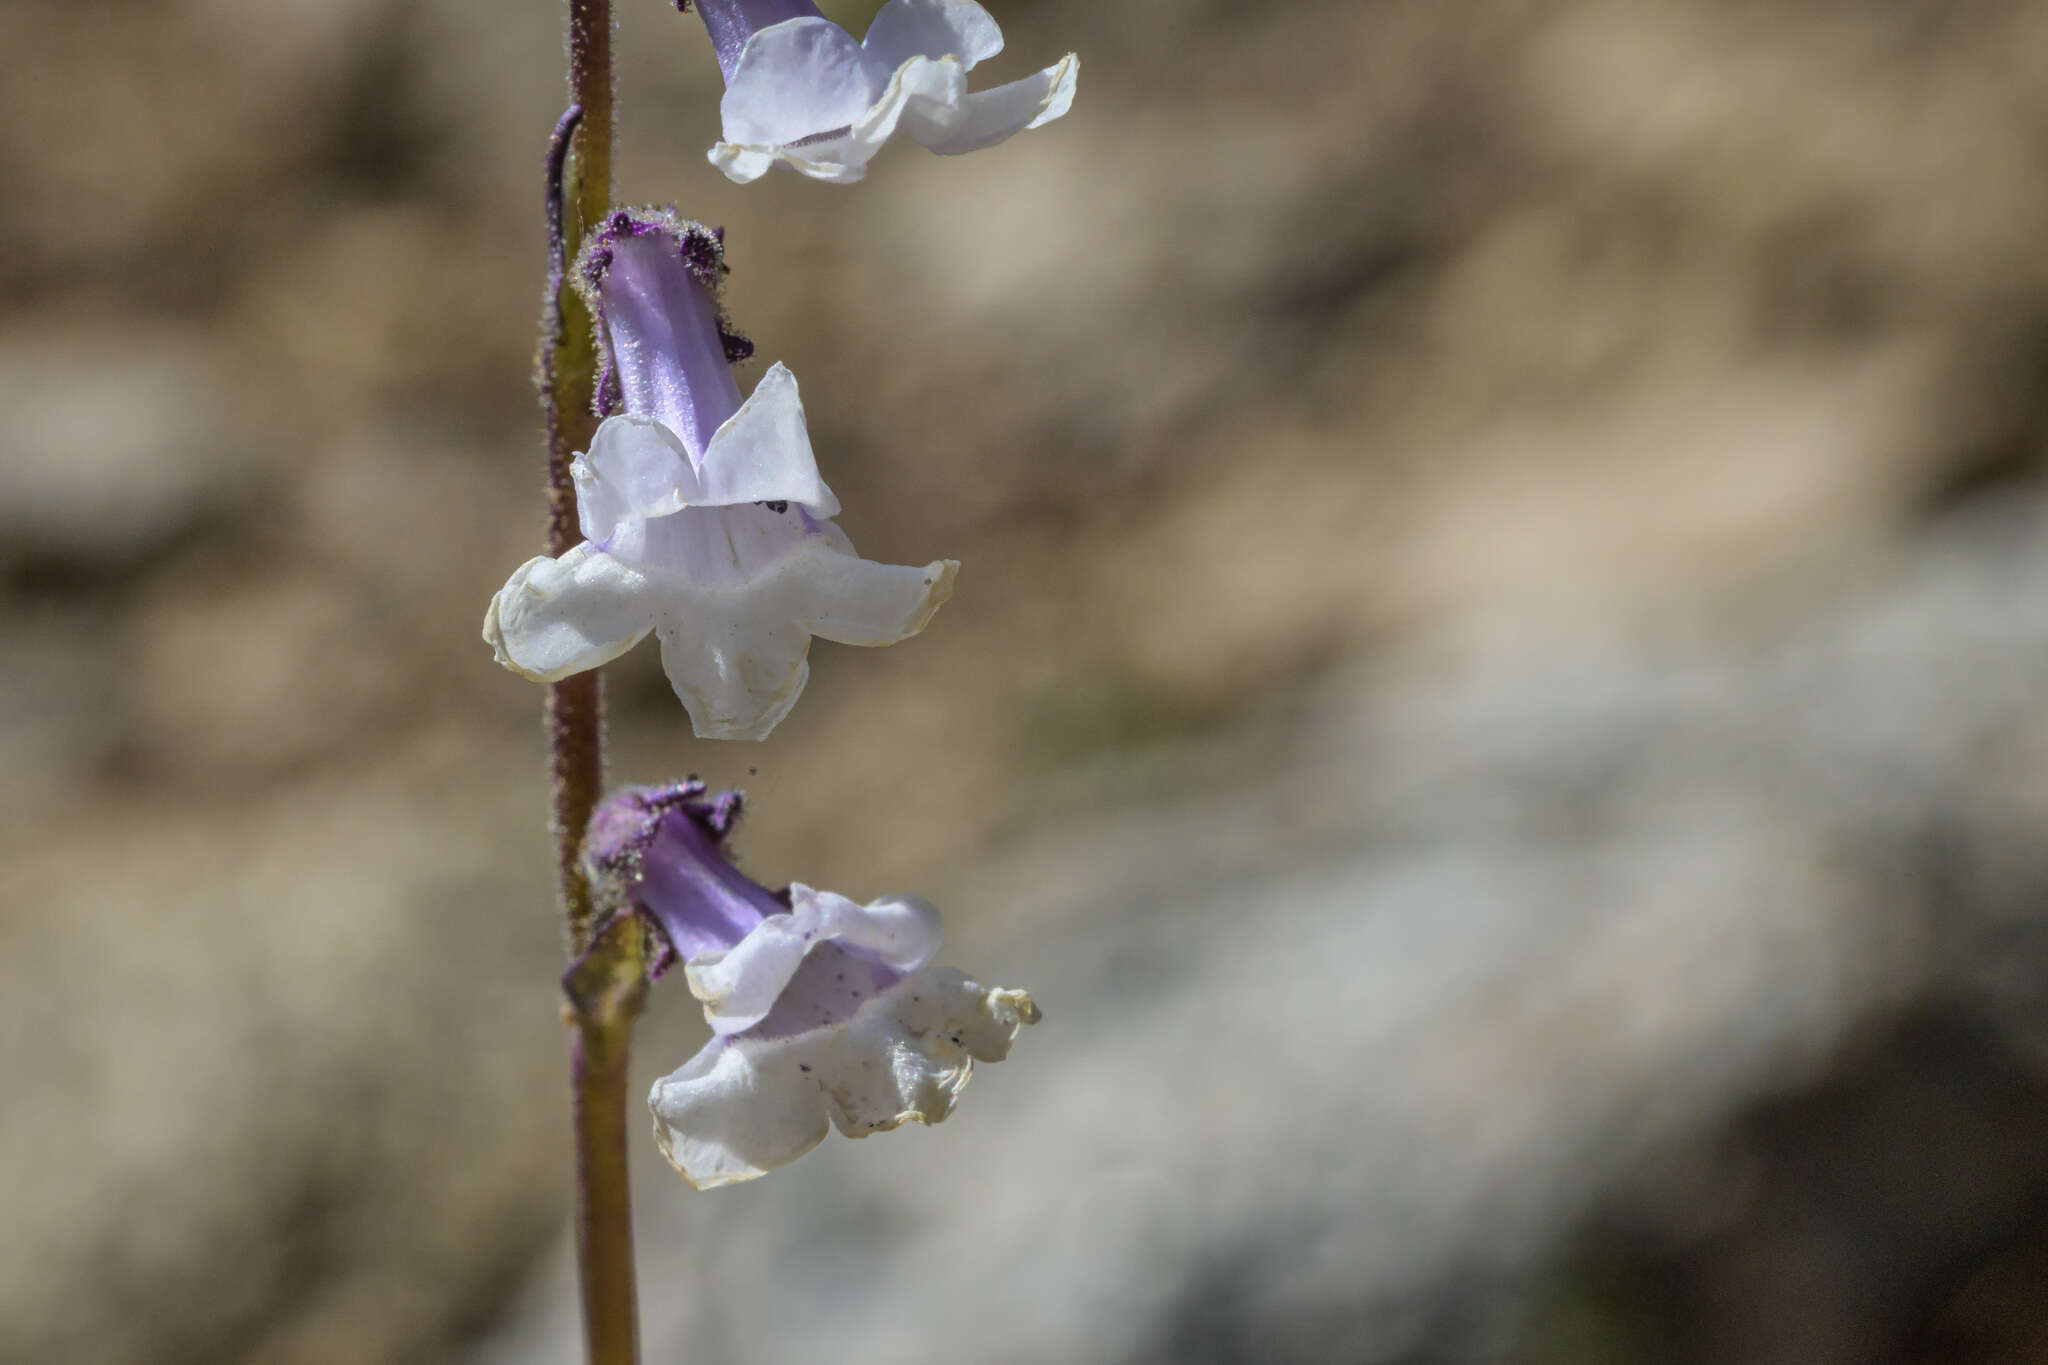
x,y
731,22
651,280
663,850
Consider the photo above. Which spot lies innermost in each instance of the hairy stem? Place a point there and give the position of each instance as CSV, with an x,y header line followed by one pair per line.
x,y
600,1020
574,716
604,1219
579,194
603,989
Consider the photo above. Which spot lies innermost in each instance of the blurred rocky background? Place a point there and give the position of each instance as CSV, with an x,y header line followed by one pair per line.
x,y
1498,694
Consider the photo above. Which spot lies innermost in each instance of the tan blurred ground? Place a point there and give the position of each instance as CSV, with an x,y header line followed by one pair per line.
x,y
1331,359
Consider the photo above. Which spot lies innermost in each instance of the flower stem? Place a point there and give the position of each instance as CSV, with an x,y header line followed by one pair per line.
x,y
600,1021
604,1212
579,193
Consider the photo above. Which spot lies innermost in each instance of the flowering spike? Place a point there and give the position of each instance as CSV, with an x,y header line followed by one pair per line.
x,y
801,93
705,519
824,1013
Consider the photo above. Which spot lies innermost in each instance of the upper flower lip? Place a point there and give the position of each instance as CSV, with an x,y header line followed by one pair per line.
x,y
637,468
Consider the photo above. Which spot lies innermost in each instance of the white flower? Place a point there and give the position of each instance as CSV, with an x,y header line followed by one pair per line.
x,y
823,1012
800,92
705,519
825,1015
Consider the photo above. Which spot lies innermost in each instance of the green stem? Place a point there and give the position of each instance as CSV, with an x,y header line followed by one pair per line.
x,y
604,1211
600,1021
603,989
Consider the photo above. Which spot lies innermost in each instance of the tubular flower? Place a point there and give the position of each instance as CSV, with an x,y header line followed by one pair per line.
x,y
822,1011
705,519
799,91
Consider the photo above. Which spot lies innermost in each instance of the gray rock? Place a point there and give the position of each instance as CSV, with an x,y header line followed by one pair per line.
x,y
117,441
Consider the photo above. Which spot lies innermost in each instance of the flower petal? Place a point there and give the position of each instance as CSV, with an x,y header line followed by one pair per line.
x,y
740,986
932,28
745,1105
907,1058
983,1020
555,617
925,96
795,80
855,601
731,1114
736,678
763,452
720,559
731,22
745,164
994,115
741,591
637,468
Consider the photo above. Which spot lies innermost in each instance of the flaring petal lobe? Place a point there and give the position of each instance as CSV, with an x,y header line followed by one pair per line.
x,y
992,116
555,617
637,468
744,1106
763,452
797,79
903,29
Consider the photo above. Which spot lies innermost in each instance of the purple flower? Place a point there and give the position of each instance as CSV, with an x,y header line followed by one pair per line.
x,y
800,92
823,1012
704,517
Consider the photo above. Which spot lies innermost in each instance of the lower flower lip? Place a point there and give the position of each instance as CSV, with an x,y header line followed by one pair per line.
x,y
744,1106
